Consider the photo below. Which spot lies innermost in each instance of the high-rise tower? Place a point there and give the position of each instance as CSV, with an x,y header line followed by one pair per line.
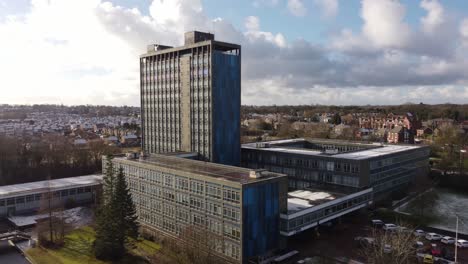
x,y
190,98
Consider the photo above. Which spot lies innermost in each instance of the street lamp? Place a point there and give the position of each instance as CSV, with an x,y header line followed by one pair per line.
x,y
462,152
456,240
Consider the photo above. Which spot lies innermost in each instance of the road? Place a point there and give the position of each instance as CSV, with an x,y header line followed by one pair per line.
x,y
9,254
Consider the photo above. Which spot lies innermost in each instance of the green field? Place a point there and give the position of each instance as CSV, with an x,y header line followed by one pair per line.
x,y
78,249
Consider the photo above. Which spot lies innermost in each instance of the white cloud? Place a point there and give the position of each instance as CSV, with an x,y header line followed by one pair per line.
x,y
268,3
91,56
434,17
297,8
384,23
252,23
464,31
329,7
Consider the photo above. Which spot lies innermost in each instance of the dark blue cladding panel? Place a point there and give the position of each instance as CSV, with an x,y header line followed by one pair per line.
x,y
226,108
261,219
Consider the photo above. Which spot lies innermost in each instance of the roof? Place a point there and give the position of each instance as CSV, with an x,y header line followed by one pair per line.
x,y
303,199
370,150
218,171
42,186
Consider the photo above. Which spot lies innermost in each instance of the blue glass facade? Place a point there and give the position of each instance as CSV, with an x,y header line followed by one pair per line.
x,y
261,219
226,105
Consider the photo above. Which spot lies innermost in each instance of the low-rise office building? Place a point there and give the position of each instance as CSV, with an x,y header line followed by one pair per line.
x,y
241,206
30,197
339,165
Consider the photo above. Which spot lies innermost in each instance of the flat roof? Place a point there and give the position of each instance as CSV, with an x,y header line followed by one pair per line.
x,y
303,199
209,169
55,184
218,45
371,150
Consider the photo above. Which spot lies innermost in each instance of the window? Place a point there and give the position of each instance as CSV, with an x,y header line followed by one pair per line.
x,y
10,201
20,200
29,198
72,191
231,195
64,193
231,214
2,202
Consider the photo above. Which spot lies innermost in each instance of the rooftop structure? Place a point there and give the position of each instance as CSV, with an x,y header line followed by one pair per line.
x,y
206,169
52,185
330,148
302,199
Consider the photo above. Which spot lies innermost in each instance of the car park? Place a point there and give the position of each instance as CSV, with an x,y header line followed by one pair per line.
x,y
433,236
448,240
390,227
461,243
419,232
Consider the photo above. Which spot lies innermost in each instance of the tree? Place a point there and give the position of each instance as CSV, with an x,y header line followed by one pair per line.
x,y
51,230
194,245
390,247
336,119
116,219
125,207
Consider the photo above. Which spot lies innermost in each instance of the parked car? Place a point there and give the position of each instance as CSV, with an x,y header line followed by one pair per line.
x,y
461,243
428,259
387,249
403,229
435,251
377,223
419,232
390,227
418,245
433,236
364,241
448,240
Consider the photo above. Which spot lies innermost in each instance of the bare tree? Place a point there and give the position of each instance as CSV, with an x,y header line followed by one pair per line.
x,y
194,245
51,230
390,247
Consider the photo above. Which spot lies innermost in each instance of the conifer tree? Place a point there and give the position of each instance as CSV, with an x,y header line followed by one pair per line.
x,y
116,219
125,206
107,229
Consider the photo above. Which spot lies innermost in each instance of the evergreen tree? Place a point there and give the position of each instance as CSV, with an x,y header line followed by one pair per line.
x,y
109,181
125,207
116,220
106,245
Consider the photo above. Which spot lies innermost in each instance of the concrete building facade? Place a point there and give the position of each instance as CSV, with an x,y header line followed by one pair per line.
x,y
190,98
240,206
339,165
26,198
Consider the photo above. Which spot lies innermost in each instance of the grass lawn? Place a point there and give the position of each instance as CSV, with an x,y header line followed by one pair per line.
x,y
78,250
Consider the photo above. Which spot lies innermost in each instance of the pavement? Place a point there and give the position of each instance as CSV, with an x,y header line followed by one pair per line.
x,y
9,254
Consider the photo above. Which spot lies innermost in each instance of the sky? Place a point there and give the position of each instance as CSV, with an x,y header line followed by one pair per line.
x,y
329,52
